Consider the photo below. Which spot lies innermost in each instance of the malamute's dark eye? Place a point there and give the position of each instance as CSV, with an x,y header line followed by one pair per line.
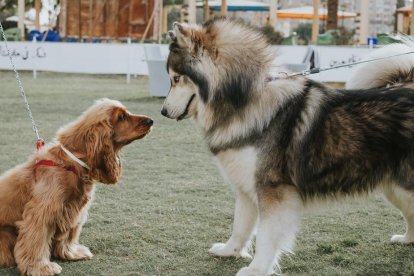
x,y
176,79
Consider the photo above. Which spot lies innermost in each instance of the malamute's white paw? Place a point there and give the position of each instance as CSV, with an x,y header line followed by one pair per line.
x,y
221,250
247,271
402,239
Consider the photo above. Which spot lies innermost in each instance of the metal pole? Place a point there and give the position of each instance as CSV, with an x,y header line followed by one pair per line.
x,y
128,78
91,20
37,18
412,20
315,22
206,11
160,21
223,8
79,21
157,30
63,17
34,63
165,12
273,15
364,20
192,11
20,12
400,22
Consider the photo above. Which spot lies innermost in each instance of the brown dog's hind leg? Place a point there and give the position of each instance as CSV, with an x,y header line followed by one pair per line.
x,y
8,236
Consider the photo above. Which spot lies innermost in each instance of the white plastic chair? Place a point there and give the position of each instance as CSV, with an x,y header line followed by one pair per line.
x,y
310,61
157,71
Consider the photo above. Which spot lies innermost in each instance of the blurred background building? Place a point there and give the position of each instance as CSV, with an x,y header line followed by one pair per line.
x,y
148,20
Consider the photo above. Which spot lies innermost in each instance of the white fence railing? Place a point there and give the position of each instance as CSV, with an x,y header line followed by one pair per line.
x,y
129,58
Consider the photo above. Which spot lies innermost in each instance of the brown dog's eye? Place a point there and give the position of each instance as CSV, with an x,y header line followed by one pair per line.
x,y
122,117
176,79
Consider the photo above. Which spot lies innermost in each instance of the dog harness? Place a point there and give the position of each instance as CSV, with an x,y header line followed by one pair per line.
x,y
50,163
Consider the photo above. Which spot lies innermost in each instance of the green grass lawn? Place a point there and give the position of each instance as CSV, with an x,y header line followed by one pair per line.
x,y
172,204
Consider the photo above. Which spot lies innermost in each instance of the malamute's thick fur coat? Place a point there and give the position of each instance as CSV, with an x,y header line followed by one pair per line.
x,y
289,141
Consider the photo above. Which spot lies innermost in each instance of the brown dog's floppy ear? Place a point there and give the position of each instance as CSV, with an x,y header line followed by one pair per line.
x,y
182,34
105,164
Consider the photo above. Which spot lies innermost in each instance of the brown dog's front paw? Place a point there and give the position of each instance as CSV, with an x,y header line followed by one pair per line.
x,y
44,269
73,252
81,252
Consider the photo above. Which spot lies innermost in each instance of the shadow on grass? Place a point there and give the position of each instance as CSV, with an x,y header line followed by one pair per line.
x,y
158,100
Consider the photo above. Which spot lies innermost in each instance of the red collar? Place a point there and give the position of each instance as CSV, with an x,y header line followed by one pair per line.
x,y
51,163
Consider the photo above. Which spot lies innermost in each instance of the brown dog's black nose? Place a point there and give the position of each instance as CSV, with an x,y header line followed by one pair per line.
x,y
149,122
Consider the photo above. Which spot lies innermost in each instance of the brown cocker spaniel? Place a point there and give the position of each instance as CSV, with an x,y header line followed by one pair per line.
x,y
44,202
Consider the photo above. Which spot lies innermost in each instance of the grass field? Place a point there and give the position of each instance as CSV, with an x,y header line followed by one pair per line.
x,y
172,204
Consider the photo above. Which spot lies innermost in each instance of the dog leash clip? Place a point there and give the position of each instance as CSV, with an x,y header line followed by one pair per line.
x,y
39,144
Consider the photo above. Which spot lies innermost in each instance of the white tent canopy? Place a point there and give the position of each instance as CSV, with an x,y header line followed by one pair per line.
x,y
238,5
29,19
47,16
15,18
405,9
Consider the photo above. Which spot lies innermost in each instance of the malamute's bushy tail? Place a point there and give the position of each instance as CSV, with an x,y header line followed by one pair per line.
x,y
389,71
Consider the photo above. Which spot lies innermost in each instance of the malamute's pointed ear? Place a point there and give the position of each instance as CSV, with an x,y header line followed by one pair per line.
x,y
182,34
172,36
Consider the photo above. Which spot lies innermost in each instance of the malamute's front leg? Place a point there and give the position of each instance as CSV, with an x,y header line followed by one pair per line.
x,y
279,217
245,217
403,199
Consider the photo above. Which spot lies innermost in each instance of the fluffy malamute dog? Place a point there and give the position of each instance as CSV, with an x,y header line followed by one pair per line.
x,y
286,142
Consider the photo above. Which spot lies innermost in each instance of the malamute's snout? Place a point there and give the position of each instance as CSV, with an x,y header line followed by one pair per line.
x,y
178,106
164,112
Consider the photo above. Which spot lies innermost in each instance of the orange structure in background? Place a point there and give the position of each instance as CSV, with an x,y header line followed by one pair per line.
x,y
306,12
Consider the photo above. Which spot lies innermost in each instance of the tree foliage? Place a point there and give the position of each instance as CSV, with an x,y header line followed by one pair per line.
x,y
172,2
400,3
7,8
273,36
304,33
343,36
